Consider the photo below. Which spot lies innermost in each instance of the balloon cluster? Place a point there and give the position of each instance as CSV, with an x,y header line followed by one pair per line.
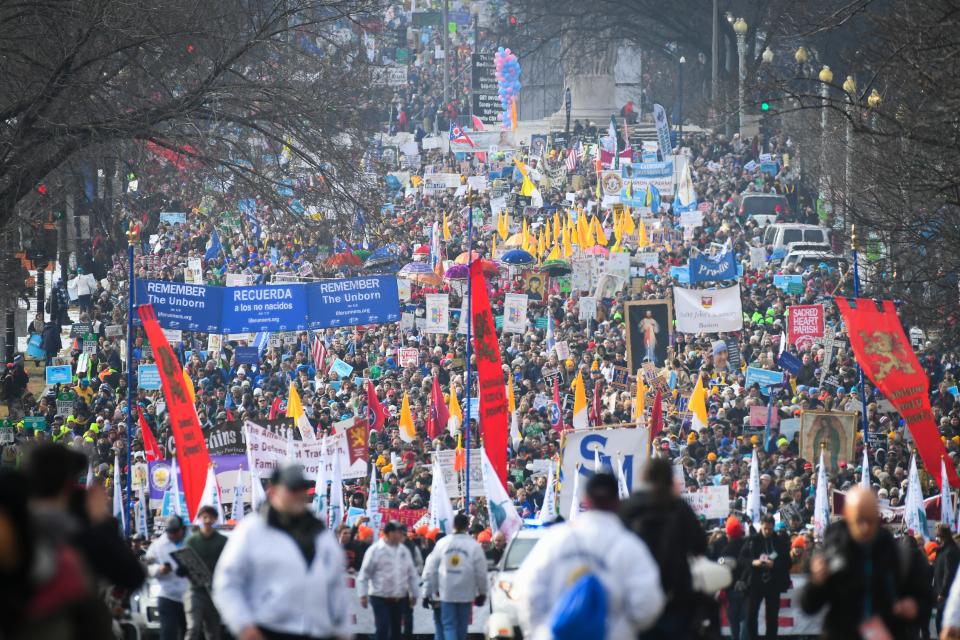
x,y
508,82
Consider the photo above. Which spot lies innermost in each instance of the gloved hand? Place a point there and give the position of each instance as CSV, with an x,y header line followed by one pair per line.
x,y
427,603
479,600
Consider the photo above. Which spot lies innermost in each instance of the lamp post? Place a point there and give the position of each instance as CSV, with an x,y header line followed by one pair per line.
x,y
683,61
826,78
715,55
740,28
849,88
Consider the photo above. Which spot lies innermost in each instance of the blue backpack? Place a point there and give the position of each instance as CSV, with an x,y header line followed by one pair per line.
x,y
581,611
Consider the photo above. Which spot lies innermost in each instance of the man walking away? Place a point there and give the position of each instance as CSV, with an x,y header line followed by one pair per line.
x,y
945,569
162,566
766,558
595,543
207,543
872,585
388,581
457,571
281,575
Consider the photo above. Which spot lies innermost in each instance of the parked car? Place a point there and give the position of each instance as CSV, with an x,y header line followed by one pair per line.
x,y
780,237
806,259
764,208
504,620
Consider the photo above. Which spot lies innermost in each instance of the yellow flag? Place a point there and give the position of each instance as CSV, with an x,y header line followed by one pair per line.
x,y
188,383
642,236
493,249
407,431
526,237
527,188
511,400
453,405
541,244
548,233
567,246
580,419
589,240
617,227
598,229
698,406
503,225
446,229
626,221
554,253
556,227
639,405
294,405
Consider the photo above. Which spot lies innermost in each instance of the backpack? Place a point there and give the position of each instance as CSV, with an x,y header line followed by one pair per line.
x,y
580,611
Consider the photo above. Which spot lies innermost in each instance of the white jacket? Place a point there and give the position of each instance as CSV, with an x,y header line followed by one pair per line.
x,y
262,579
387,571
595,542
456,569
172,586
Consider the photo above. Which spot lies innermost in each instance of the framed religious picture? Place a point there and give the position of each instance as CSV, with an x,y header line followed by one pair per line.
x,y
649,327
836,431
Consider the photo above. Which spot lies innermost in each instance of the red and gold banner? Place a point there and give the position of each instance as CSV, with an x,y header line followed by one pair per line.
x,y
358,441
884,353
193,459
493,391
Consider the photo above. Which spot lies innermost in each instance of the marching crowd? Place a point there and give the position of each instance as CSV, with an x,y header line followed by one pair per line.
x,y
261,565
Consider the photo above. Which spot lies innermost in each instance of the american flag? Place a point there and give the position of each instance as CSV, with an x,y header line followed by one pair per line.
x,y
571,160
319,353
459,135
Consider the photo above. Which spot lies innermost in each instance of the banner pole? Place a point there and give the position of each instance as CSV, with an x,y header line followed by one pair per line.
x,y
856,293
466,419
131,242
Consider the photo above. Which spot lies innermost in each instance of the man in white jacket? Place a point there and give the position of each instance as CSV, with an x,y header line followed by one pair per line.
x,y
388,580
596,542
456,570
282,572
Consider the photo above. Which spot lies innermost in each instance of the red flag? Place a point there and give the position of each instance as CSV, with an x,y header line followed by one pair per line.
x,y
278,408
556,410
884,353
375,413
493,390
595,410
150,446
459,456
358,441
656,416
439,414
192,456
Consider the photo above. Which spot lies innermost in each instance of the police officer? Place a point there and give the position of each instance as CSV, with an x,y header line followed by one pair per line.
x,y
457,571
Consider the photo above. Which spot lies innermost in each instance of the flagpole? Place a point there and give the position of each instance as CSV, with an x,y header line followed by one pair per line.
x,y
466,415
856,292
132,235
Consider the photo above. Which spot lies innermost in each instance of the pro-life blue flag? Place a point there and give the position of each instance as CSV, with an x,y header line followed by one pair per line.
x,y
213,247
703,268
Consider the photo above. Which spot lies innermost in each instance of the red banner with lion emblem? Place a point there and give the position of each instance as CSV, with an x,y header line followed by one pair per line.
x,y
193,459
884,353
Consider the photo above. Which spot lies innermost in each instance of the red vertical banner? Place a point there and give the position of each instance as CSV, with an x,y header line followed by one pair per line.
x,y
193,459
885,355
493,395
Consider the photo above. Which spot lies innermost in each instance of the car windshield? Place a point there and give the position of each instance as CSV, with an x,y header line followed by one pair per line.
x,y
813,235
764,206
518,552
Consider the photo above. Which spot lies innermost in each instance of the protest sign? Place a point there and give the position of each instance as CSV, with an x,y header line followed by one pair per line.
x,y
266,449
438,313
759,413
709,502
515,313
455,481
408,357
631,443
804,324
148,377
763,377
587,308
62,374
708,310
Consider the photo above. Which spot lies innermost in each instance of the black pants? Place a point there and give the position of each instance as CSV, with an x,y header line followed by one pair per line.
x,y
771,602
173,620
387,614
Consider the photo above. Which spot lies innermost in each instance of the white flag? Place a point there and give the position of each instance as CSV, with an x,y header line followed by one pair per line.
x,y
515,436
118,511
503,514
865,471
174,489
548,510
373,504
441,511
575,500
320,492
141,510
821,504
914,511
237,512
211,495
753,497
946,498
89,475
622,489
337,509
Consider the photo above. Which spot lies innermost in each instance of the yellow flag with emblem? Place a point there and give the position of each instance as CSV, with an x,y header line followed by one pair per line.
x,y
446,229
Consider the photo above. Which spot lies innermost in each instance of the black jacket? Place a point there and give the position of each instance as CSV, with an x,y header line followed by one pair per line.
x,y
891,570
762,579
945,568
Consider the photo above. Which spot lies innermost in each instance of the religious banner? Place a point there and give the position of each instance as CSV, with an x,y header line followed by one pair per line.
x,y
834,430
804,324
883,351
438,313
708,310
493,397
515,313
192,456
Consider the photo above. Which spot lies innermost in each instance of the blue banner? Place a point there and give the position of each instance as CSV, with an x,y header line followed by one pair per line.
x,y
272,308
353,301
189,307
682,274
148,377
764,378
173,217
703,268
59,374
246,355
279,307
789,362
789,283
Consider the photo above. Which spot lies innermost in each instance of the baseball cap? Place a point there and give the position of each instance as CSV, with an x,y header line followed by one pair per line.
x,y
290,476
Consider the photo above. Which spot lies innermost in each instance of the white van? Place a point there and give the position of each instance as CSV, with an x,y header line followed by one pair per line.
x,y
780,236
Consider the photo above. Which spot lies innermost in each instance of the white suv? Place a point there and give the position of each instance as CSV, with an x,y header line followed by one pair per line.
x,y
504,619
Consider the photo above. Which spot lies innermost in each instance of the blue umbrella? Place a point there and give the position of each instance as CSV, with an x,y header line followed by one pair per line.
x,y
383,255
517,256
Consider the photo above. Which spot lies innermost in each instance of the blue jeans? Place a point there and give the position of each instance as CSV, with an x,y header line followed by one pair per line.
x,y
437,624
736,604
173,620
387,617
455,616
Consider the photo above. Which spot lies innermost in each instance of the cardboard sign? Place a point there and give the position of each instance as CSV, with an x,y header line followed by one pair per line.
x,y
113,330
59,374
409,357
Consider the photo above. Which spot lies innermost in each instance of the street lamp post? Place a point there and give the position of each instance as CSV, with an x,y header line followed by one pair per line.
x,y
715,56
850,88
740,28
683,62
826,78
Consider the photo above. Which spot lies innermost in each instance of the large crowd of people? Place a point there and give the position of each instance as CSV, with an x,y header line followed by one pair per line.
x,y
87,418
